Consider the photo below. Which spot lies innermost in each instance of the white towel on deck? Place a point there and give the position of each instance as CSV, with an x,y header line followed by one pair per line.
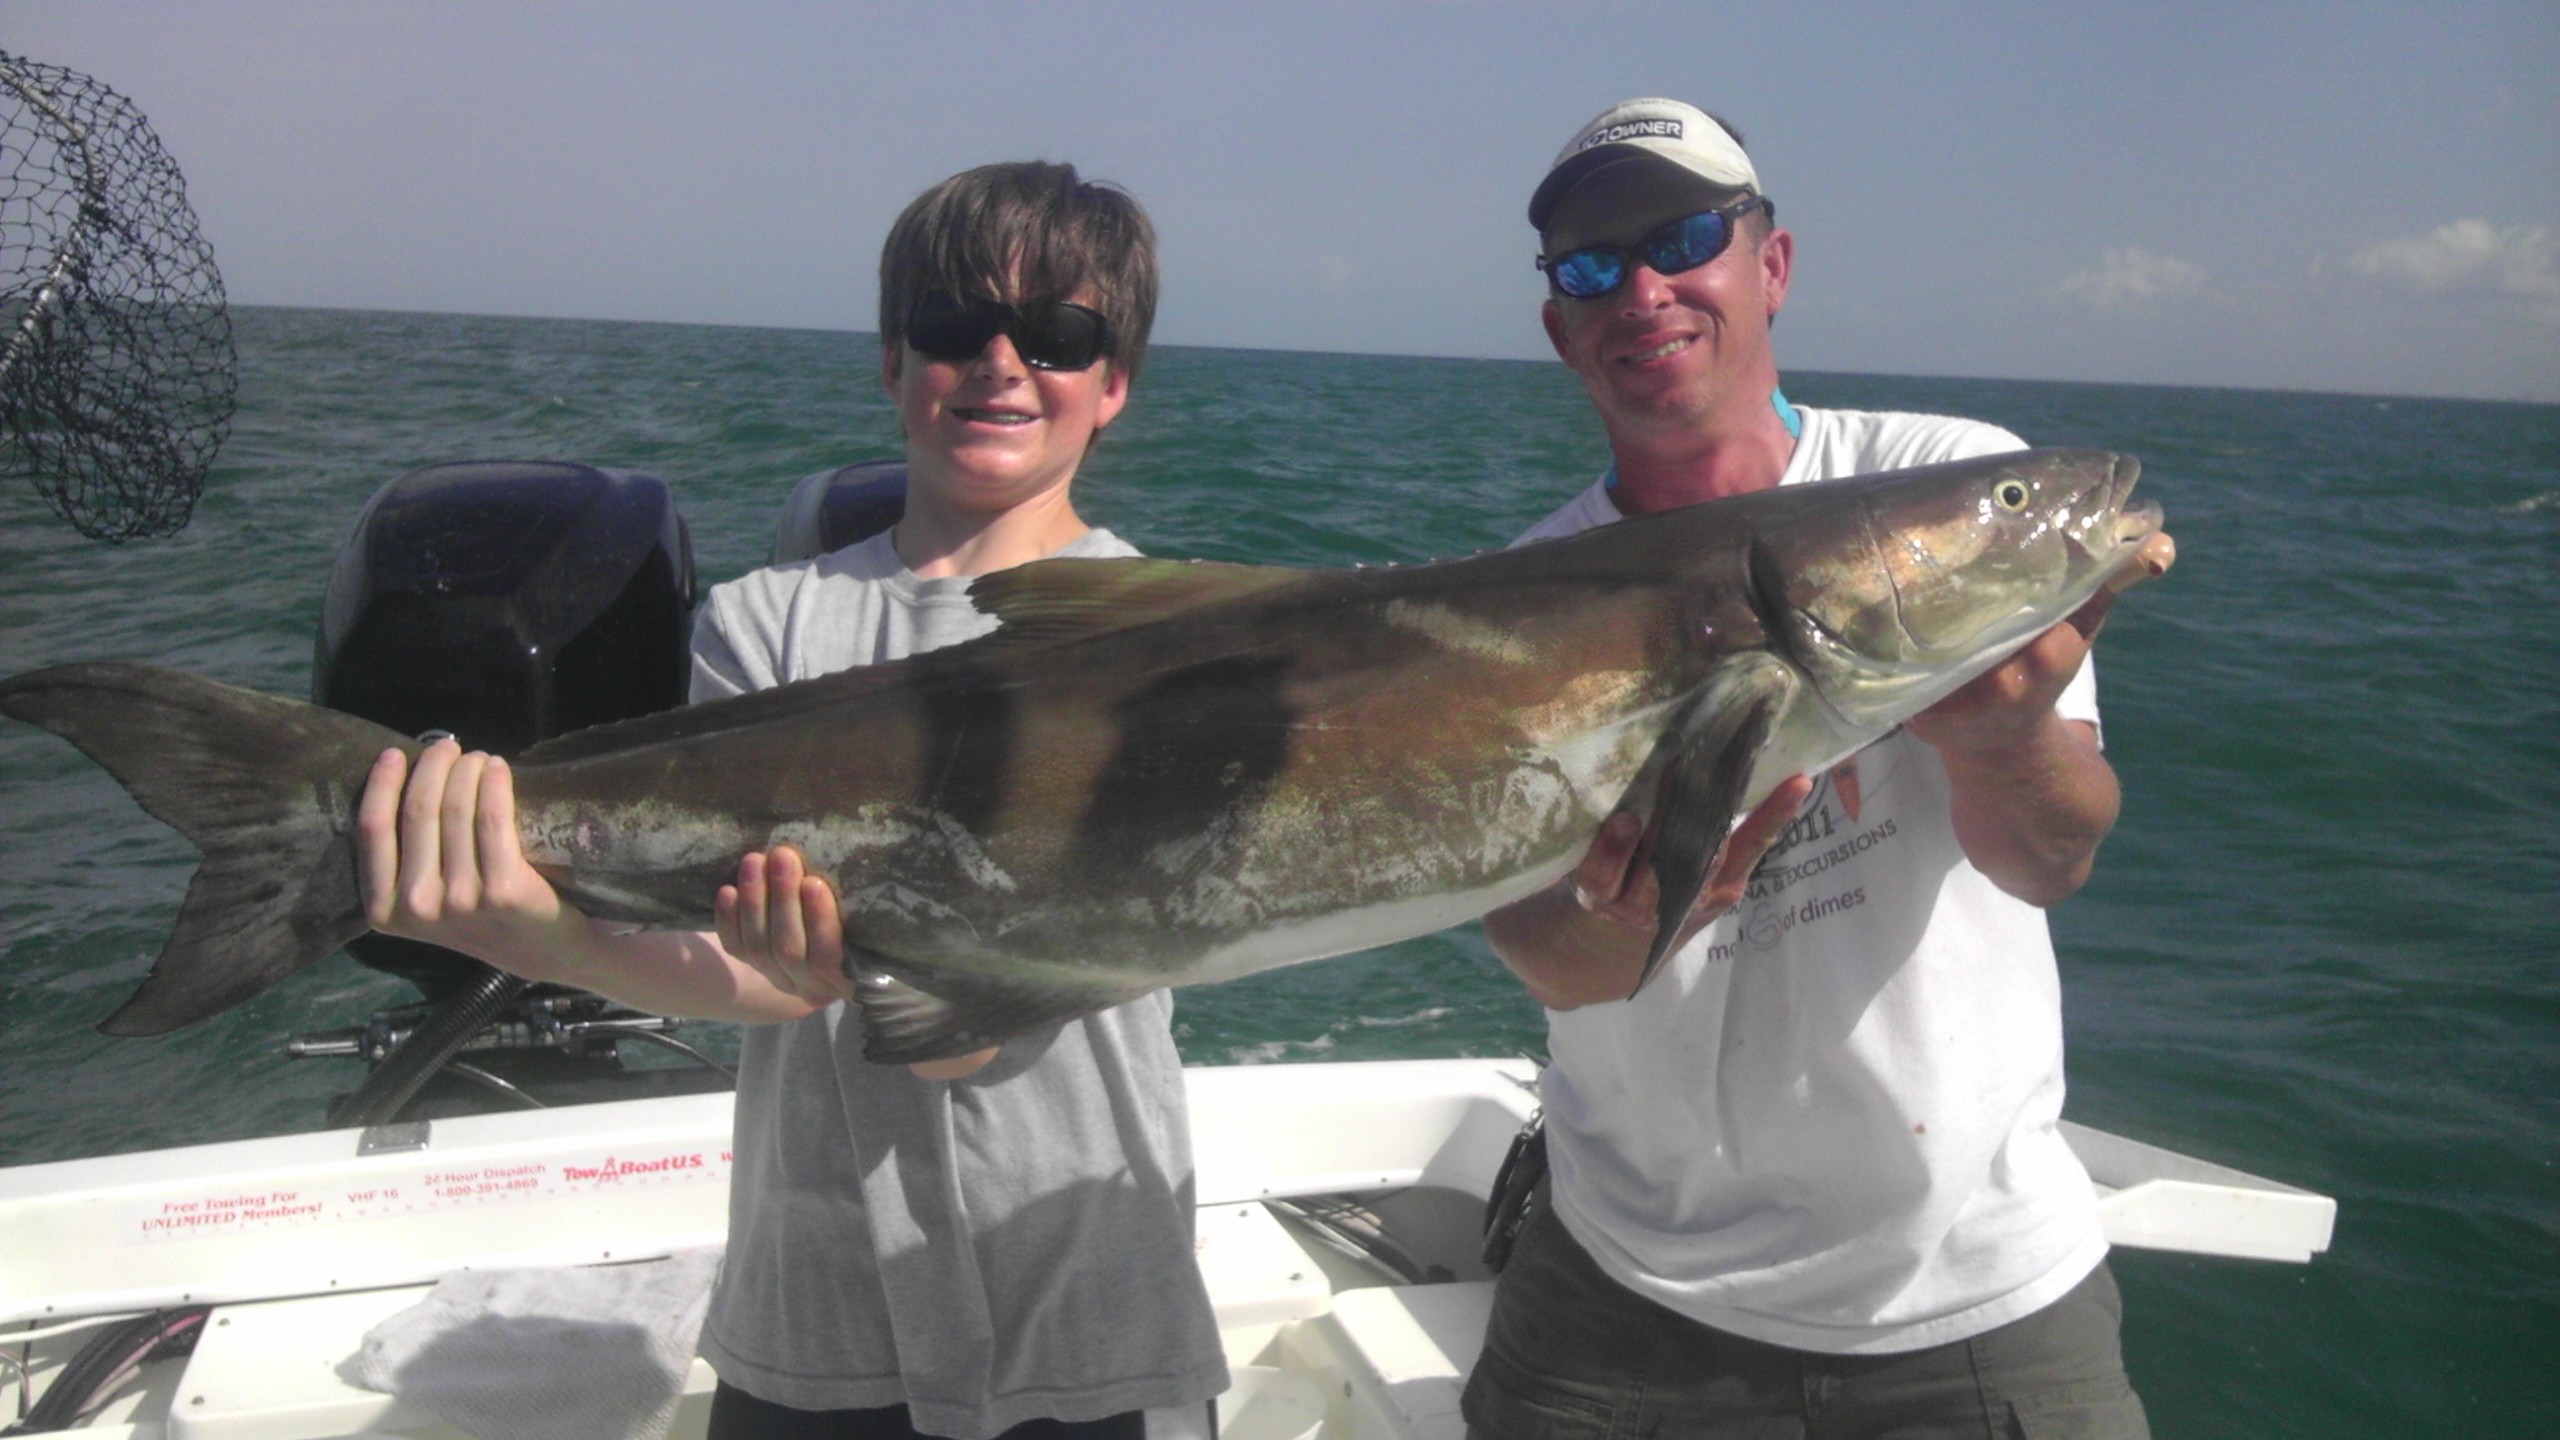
x,y
564,1353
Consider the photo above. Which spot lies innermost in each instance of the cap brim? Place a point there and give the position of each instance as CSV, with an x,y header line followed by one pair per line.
x,y
1565,178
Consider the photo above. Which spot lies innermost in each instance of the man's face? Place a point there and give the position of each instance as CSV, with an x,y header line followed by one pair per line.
x,y
990,432
1666,354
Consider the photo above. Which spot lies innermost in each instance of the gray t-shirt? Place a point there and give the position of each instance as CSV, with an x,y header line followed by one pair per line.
x,y
1010,1246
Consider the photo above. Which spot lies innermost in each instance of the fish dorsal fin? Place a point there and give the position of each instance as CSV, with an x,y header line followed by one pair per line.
x,y
734,712
1048,601
1036,605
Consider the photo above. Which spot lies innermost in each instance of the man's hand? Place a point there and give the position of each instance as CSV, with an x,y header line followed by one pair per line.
x,y
1617,884
2032,797
1584,939
788,925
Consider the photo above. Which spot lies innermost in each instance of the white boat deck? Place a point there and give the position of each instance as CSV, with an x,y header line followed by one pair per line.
x,y
304,1242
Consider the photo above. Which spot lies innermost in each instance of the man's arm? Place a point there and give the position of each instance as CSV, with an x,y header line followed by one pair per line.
x,y
2031,794
1583,940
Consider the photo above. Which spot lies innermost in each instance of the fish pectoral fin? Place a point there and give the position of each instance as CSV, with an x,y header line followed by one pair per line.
x,y
912,1014
1701,789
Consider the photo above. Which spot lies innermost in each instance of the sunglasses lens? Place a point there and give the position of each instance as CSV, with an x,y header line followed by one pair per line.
x,y
1593,270
946,327
1055,336
1688,243
1060,336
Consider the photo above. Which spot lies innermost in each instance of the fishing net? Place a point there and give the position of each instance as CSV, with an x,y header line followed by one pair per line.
x,y
116,363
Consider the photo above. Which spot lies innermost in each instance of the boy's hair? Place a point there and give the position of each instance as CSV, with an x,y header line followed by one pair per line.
x,y
977,232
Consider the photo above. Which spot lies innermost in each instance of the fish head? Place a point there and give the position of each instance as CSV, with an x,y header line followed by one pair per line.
x,y
1891,591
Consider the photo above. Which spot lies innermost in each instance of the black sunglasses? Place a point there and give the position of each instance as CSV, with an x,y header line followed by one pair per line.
x,y
1049,335
1591,271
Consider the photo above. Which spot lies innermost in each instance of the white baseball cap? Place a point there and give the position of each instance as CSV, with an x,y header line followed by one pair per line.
x,y
1664,131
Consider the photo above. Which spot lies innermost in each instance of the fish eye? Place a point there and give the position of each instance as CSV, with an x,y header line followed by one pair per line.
x,y
2010,494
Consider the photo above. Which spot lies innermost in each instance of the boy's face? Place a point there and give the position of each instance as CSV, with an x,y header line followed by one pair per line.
x,y
991,432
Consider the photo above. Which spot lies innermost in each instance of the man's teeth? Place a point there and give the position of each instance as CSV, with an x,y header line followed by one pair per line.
x,y
997,417
1667,347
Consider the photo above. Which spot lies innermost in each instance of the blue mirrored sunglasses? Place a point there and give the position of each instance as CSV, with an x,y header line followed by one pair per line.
x,y
1591,271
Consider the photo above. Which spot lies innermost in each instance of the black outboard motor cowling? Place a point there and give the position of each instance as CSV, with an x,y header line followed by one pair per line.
x,y
506,602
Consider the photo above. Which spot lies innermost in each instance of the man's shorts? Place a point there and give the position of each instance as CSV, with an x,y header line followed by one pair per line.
x,y
1573,1355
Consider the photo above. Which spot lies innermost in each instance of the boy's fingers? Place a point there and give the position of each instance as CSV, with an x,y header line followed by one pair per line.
x,y
753,936
421,880
495,827
378,834
782,884
826,937
724,920
459,830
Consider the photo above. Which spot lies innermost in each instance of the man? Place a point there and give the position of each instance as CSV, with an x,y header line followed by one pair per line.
x,y
1809,1182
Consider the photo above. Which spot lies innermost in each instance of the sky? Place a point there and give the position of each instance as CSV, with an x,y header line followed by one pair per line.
x,y
2327,196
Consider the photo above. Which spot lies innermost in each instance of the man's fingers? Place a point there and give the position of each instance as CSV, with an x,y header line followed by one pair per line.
x,y
2151,560
1750,840
1607,870
2089,617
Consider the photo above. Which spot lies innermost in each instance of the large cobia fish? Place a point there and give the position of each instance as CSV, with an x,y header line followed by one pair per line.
x,y
1165,772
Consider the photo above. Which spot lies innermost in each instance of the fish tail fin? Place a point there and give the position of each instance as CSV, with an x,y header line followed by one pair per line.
x,y
265,787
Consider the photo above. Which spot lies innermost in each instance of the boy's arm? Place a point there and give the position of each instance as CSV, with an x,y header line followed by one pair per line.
x,y
439,860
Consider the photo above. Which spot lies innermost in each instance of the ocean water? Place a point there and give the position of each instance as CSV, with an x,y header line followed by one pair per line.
x,y
2321,945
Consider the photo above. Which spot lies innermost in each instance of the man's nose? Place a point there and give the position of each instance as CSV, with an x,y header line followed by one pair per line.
x,y
1646,287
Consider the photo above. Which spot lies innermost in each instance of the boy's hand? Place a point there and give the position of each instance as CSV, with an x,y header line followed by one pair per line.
x,y
437,859
787,924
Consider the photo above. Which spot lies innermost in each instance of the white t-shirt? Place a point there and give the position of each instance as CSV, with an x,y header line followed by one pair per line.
x,y
1829,1122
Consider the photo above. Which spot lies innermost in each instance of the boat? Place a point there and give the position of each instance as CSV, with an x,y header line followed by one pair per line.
x,y
214,1292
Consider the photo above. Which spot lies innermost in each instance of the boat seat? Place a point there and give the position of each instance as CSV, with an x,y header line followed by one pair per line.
x,y
1406,1351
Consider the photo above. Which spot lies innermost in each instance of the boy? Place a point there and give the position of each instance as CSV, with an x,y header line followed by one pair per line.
x,y
999,1245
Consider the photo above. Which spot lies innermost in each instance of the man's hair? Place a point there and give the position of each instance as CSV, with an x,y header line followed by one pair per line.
x,y
1756,225
1025,230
